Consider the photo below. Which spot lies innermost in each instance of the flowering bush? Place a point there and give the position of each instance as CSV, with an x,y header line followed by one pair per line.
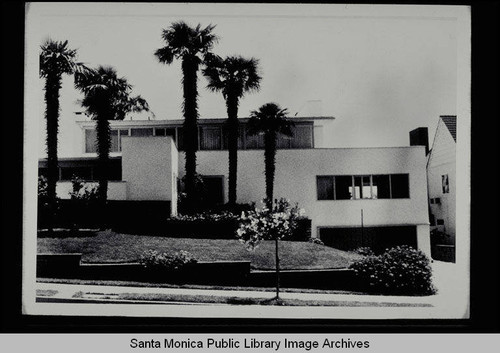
x,y
365,251
266,224
400,270
152,259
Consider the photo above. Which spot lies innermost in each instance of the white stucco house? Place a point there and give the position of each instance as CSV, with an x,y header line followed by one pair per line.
x,y
441,176
354,196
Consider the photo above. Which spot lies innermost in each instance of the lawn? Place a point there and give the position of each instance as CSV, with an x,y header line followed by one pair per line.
x,y
114,247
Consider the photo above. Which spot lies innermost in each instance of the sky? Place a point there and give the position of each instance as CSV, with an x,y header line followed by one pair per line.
x,y
381,71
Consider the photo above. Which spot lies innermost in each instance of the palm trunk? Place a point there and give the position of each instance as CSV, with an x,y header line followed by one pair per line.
x,y
189,70
277,269
52,87
232,114
103,147
270,165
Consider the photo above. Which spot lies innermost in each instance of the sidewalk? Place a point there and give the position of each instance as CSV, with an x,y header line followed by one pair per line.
x,y
445,279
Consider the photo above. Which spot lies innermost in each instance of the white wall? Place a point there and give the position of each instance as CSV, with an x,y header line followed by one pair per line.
x,y
296,172
117,190
443,161
147,167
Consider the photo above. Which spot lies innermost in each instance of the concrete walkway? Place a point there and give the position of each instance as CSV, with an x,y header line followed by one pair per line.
x,y
445,276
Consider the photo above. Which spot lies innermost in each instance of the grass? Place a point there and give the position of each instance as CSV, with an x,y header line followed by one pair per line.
x,y
114,247
208,299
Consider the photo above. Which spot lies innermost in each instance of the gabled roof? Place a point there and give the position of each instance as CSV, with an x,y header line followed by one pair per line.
x,y
451,123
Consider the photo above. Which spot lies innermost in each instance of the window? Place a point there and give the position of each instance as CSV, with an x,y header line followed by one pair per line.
x,y
399,186
141,132
210,138
436,201
115,136
284,141
362,187
241,137
440,222
302,136
343,187
255,141
445,184
180,138
325,187
161,131
350,187
90,141
381,187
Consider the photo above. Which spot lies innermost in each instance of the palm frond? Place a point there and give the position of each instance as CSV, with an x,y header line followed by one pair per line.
x,y
106,94
165,55
270,117
56,58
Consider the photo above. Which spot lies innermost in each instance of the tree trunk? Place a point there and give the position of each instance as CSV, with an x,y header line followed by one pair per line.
x,y
270,165
232,114
52,87
103,147
277,270
189,70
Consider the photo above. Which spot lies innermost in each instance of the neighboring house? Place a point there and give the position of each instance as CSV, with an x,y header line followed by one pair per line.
x,y
354,196
441,176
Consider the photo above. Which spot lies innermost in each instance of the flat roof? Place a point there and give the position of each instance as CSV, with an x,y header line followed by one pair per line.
x,y
200,120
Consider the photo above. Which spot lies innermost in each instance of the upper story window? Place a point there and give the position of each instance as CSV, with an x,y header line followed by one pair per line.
x,y
116,140
170,131
141,132
445,184
353,187
210,137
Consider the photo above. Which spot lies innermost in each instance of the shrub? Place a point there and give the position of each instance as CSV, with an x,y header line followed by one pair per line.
x,y
365,251
82,191
316,241
153,260
401,270
206,216
42,189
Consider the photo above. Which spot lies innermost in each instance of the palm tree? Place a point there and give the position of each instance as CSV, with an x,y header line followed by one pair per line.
x,y
271,120
106,97
56,60
233,76
191,46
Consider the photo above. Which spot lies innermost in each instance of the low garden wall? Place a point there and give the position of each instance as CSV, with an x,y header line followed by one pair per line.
x,y
229,273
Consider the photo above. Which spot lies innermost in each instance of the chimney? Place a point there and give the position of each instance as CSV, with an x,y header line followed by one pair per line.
x,y
420,137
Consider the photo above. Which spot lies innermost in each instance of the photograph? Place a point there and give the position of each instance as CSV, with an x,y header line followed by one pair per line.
x,y
223,160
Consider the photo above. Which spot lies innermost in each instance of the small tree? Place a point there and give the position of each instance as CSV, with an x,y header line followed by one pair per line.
x,y
274,223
